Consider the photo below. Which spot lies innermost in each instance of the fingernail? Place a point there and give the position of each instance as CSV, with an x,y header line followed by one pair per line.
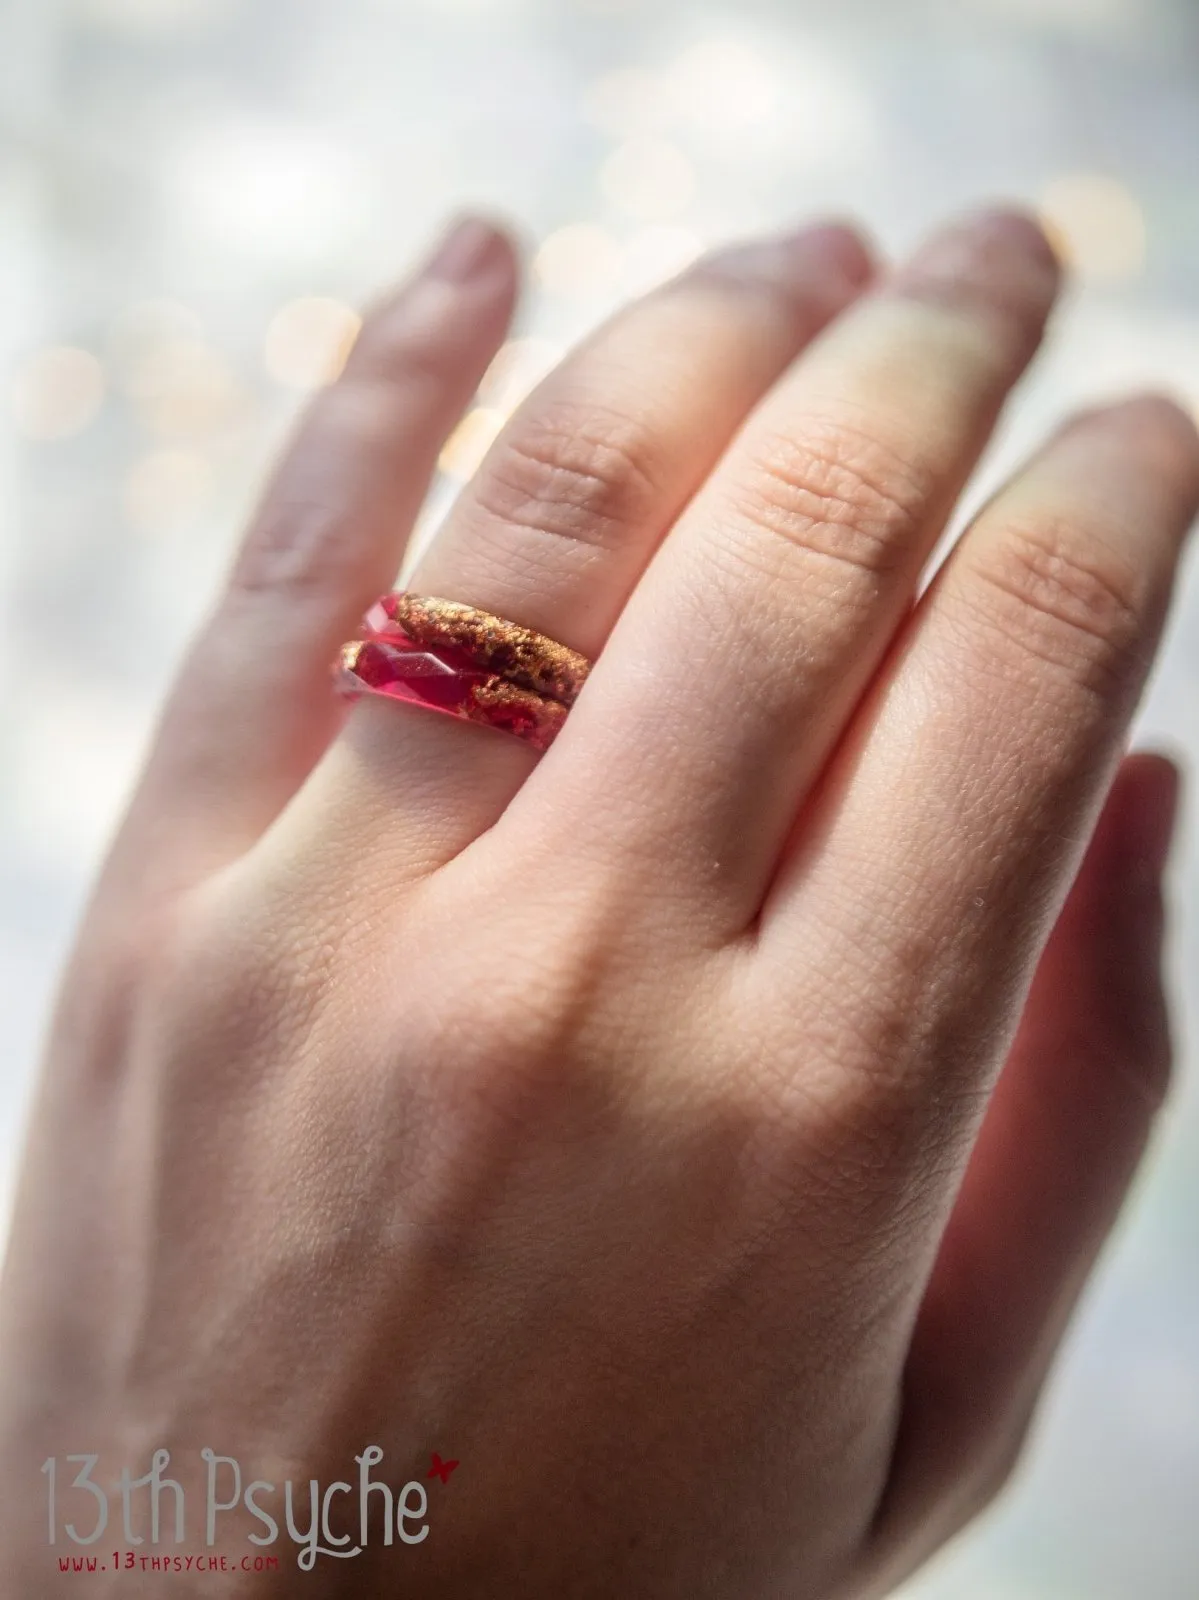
x,y
1001,251
831,249
468,245
1155,413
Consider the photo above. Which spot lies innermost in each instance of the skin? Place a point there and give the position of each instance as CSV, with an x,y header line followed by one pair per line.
x,y
700,1132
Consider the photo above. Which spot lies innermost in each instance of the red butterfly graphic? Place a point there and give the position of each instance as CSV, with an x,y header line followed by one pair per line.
x,y
441,1469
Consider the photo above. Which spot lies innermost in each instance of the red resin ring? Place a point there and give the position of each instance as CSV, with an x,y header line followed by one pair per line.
x,y
462,680
519,655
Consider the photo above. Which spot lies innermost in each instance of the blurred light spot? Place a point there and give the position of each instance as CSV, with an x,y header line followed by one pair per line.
x,y
140,328
627,102
308,342
516,371
166,490
656,254
57,393
725,82
648,179
827,120
183,387
277,191
1096,225
579,260
470,442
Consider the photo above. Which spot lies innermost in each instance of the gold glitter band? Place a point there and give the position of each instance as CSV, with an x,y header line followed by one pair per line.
x,y
519,656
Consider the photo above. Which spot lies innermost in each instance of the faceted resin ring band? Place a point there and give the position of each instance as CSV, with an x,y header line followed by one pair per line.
x,y
467,663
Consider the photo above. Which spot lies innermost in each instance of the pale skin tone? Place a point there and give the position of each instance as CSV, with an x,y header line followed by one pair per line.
x,y
701,1131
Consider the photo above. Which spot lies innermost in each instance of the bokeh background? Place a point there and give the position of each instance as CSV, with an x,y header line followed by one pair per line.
x,y
194,194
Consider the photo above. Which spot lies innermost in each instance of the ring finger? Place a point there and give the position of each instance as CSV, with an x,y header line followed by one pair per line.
x,y
557,526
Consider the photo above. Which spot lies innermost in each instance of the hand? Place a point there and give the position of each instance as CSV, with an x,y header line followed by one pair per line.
x,y
622,1123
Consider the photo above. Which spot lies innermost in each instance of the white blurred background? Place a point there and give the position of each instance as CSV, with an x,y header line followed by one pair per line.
x,y
194,194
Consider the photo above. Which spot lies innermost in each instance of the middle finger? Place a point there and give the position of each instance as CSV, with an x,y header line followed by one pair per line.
x,y
769,607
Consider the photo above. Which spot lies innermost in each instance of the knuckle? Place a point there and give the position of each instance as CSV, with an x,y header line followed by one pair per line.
x,y
413,341
98,1012
1149,1077
1137,1055
291,549
304,535
1070,602
398,349
516,1053
836,492
857,1128
994,1469
573,476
